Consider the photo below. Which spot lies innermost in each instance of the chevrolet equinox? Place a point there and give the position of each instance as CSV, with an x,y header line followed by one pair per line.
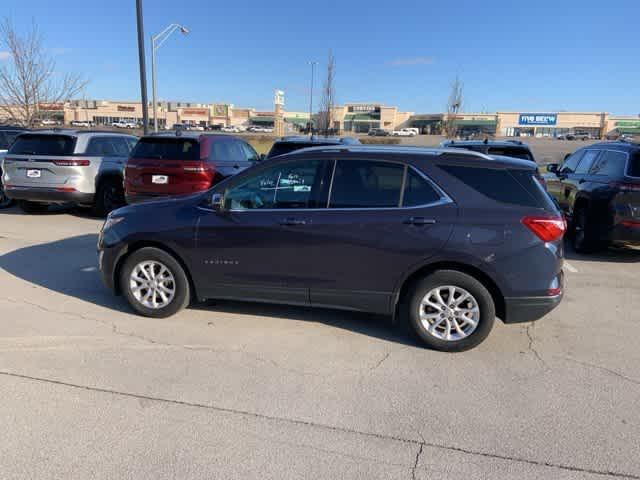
x,y
443,240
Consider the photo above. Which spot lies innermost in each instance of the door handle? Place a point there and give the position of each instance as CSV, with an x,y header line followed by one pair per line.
x,y
419,221
236,166
292,222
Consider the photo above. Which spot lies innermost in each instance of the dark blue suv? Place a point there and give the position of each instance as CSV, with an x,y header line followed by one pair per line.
x,y
443,239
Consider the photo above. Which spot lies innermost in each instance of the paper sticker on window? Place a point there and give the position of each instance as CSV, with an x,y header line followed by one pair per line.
x,y
302,188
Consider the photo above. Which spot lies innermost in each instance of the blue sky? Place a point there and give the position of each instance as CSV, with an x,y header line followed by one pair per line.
x,y
511,56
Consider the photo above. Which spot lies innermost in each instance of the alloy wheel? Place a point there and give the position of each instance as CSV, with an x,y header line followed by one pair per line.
x,y
449,313
152,284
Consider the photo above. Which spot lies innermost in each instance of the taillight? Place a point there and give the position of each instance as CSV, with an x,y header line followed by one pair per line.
x,y
547,229
65,189
626,187
631,223
72,163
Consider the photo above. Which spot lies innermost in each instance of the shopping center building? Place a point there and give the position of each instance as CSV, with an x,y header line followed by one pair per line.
x,y
349,118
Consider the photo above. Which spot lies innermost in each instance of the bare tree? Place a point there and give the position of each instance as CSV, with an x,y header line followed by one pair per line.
x,y
454,105
29,81
325,115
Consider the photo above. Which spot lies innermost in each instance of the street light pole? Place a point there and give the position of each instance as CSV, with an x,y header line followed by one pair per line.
x,y
313,65
143,69
156,43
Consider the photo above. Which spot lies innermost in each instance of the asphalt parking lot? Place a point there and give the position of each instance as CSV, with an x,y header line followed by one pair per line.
x,y
233,390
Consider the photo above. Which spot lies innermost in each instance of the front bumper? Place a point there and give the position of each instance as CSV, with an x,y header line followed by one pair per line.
x,y
108,259
48,195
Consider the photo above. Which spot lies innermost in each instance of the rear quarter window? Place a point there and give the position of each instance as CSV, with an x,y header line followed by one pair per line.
x,y
633,169
167,149
30,144
510,186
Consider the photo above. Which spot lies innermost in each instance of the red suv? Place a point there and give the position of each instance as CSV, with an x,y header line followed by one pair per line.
x,y
180,164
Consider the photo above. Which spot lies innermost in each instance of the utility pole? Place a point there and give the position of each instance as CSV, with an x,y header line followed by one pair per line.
x,y
143,69
313,66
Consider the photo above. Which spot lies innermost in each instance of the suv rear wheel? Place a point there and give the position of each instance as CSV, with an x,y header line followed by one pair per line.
x,y
154,283
584,239
109,196
32,207
450,311
5,202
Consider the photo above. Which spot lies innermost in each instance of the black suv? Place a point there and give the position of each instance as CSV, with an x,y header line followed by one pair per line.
x,y
297,142
598,189
506,148
442,240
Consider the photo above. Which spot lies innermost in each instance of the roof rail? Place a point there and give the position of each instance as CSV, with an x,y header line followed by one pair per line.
x,y
517,142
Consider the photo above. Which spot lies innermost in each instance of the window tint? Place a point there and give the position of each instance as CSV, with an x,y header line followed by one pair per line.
x,y
225,150
285,185
250,154
7,138
280,148
610,164
167,148
121,146
634,165
131,143
515,152
417,191
34,144
500,185
570,164
587,161
365,184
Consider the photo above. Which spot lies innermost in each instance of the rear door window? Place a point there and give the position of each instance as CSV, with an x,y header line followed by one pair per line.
x,y
610,164
167,148
633,170
34,144
587,161
366,184
250,154
226,150
418,191
101,146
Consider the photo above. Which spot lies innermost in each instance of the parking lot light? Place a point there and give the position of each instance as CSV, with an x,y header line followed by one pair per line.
x,y
156,43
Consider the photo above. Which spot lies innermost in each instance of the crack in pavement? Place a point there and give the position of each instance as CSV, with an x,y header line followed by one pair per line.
x,y
308,423
381,361
531,348
604,369
415,464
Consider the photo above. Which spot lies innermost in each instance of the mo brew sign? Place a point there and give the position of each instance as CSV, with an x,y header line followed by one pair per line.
x,y
538,119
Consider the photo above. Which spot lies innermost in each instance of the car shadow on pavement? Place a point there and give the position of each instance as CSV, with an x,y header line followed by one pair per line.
x,y
611,254
69,266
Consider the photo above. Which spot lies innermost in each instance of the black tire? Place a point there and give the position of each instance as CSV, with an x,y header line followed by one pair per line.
x,y
412,308
32,207
584,235
109,196
5,202
181,282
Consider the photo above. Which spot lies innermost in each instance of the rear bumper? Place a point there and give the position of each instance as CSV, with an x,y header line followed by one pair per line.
x,y
629,235
528,309
144,197
47,195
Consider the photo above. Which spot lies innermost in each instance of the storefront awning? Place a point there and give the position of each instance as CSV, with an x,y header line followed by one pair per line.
x,y
296,120
479,123
262,119
361,117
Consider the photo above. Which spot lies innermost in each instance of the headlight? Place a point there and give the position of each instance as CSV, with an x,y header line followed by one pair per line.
x,y
110,222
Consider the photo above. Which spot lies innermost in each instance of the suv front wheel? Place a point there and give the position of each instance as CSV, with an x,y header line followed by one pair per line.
x,y
450,311
154,283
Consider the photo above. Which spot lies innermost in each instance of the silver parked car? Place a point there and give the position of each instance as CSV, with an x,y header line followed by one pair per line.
x,y
83,167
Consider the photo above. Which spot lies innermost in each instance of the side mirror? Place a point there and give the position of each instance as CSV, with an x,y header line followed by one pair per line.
x,y
216,202
552,168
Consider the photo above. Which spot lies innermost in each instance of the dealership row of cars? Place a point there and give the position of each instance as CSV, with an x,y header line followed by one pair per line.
x,y
444,240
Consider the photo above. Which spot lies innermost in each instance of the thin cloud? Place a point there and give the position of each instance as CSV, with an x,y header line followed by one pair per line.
x,y
400,62
5,55
60,50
